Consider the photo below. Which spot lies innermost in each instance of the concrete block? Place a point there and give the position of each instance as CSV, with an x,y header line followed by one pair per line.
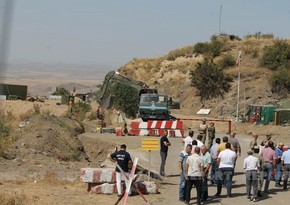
x,y
98,175
148,187
105,188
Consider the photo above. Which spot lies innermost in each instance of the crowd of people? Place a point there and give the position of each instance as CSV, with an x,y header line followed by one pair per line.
x,y
266,161
215,164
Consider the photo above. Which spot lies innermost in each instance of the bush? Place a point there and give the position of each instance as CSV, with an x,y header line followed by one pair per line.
x,y
280,82
259,35
185,51
80,109
210,81
4,130
126,99
211,49
276,56
227,61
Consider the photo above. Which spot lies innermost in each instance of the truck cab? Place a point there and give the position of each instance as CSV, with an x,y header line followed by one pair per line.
x,y
154,106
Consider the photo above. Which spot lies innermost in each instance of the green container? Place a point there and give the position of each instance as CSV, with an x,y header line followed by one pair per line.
x,y
268,114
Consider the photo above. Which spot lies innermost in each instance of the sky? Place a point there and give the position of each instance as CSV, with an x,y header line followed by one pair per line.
x,y
111,33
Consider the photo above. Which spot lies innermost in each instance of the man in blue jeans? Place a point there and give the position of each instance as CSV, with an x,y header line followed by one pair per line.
x,y
278,174
182,167
164,144
214,167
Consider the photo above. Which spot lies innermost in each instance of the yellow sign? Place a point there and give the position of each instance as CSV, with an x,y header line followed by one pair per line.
x,y
150,144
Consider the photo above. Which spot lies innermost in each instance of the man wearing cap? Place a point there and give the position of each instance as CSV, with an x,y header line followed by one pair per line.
x,y
278,173
211,134
269,156
254,141
203,130
268,139
286,163
251,165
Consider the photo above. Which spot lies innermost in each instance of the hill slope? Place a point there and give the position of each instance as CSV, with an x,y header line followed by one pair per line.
x,y
172,76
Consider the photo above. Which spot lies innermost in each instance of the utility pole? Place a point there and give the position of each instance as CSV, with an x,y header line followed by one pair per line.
x,y
239,77
220,18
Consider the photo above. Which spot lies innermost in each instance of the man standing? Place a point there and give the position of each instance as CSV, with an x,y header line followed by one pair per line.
x,y
278,174
195,173
268,139
211,134
206,166
222,146
199,141
188,139
286,163
269,156
203,130
235,143
182,167
254,142
164,144
226,161
214,166
122,158
260,170
251,164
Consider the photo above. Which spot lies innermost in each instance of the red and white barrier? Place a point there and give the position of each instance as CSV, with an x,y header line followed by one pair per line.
x,y
156,128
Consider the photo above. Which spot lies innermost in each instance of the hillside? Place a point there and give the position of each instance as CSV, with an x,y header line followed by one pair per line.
x,y
172,76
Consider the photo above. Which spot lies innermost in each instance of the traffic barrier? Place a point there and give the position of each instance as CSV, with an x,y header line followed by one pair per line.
x,y
156,128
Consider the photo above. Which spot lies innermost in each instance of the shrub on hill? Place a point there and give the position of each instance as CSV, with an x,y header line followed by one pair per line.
x,y
259,35
126,99
210,81
185,51
227,61
210,49
280,82
277,55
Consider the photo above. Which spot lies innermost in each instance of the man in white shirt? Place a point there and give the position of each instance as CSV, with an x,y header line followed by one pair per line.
x,y
214,167
251,164
195,174
188,139
199,142
226,161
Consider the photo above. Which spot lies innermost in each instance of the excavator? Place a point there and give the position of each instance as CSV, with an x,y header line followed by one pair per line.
x,y
152,106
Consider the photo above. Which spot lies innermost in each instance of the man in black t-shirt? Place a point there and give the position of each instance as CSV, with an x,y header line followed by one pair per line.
x,y
164,143
122,158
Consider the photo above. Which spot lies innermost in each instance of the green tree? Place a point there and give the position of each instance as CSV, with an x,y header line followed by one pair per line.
x,y
277,55
210,81
126,99
280,82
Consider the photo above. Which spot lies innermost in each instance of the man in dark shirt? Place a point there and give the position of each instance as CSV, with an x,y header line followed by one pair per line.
x,y
164,143
122,158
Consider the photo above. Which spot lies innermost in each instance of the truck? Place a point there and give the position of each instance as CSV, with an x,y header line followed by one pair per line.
x,y
155,106
151,104
106,99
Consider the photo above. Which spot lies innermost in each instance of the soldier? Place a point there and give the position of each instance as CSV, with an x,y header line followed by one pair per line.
x,y
268,139
211,134
254,142
203,130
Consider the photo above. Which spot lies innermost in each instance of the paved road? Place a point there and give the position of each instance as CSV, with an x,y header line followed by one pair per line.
x,y
169,188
